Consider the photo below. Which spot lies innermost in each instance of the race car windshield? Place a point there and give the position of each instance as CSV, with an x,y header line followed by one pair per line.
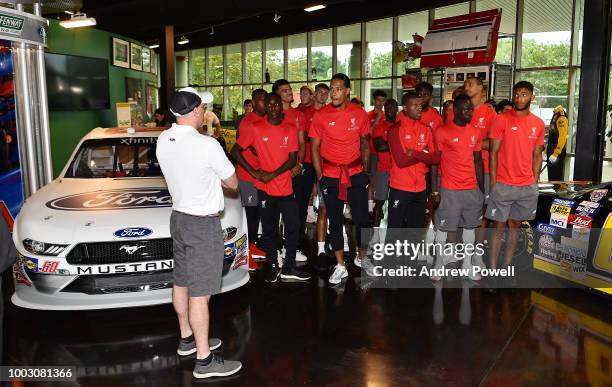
x,y
116,158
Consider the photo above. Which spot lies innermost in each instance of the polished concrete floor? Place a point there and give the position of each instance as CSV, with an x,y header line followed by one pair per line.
x,y
290,334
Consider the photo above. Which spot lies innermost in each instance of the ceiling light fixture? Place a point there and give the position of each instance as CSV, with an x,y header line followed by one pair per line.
x,y
212,30
183,40
154,45
69,12
78,20
276,17
316,7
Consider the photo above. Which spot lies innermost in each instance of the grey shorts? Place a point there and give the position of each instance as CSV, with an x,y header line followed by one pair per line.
x,y
248,193
381,185
459,208
373,165
512,202
197,243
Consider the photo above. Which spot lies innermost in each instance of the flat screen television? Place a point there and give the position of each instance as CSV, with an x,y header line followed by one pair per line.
x,y
76,82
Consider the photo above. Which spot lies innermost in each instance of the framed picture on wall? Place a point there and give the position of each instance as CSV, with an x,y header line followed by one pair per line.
x,y
134,93
121,53
154,60
152,98
146,59
136,56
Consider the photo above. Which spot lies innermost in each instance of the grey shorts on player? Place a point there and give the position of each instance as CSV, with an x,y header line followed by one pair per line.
x,y
512,202
248,193
197,246
459,208
381,185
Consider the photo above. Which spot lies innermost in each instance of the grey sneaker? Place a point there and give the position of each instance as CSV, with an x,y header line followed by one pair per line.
x,y
216,367
187,346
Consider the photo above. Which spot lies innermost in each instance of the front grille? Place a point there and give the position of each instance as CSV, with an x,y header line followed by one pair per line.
x,y
100,253
121,283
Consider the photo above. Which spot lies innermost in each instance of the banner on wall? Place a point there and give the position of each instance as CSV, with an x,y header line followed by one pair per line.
x,y
469,39
17,26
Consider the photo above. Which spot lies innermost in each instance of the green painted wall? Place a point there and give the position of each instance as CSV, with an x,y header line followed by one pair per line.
x,y
68,127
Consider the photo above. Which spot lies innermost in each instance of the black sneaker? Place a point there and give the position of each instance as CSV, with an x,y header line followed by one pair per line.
x,y
292,272
215,366
272,272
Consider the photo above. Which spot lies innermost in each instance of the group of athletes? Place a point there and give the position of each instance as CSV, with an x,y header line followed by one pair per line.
x,y
472,167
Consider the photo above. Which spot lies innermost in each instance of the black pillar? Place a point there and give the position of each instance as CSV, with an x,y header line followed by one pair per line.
x,y
166,68
590,133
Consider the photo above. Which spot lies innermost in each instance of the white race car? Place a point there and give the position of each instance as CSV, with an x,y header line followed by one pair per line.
x,y
98,236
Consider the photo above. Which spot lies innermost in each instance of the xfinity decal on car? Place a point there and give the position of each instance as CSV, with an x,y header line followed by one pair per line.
x,y
123,199
133,232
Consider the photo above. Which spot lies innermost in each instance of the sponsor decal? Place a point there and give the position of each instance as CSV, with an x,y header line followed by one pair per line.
x,y
572,257
547,247
547,229
585,211
563,202
11,24
581,234
138,140
49,267
560,210
558,220
18,273
580,221
133,232
125,267
240,261
235,248
124,199
589,204
598,194
30,264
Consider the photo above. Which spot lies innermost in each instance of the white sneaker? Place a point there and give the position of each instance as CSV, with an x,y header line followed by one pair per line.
x,y
357,261
338,275
437,266
367,266
299,257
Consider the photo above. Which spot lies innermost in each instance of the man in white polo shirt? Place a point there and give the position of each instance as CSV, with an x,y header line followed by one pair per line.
x,y
196,168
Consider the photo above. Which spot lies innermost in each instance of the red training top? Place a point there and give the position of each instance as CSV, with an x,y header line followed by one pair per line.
x,y
246,125
273,143
518,135
457,145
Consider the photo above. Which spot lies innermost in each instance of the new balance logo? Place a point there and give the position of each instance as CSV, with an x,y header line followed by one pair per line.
x,y
250,199
264,138
325,191
442,222
263,204
514,128
333,123
493,211
395,203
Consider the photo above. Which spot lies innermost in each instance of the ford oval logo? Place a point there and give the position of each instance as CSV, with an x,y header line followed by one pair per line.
x,y
118,199
133,232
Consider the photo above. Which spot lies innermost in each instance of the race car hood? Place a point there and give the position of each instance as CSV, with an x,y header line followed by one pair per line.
x,y
68,211
570,189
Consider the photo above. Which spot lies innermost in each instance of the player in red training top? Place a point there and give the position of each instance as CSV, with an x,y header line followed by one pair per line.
x,y
482,119
339,136
248,192
515,161
295,117
462,184
275,143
